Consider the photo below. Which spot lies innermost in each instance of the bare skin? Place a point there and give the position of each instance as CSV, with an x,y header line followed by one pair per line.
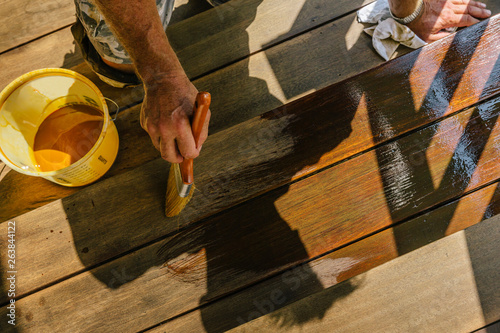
x,y
170,96
438,15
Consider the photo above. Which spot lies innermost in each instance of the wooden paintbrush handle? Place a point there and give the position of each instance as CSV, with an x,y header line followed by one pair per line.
x,y
201,107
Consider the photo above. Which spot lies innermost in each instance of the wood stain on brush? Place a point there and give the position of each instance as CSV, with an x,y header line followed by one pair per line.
x,y
67,135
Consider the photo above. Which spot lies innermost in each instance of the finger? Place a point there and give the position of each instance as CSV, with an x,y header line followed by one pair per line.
x,y
469,2
465,21
436,36
142,120
153,132
204,131
473,10
185,139
169,151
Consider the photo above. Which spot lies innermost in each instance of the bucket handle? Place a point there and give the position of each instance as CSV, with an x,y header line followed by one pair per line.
x,y
117,107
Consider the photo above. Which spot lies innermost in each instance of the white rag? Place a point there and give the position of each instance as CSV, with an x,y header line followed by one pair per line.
x,y
387,34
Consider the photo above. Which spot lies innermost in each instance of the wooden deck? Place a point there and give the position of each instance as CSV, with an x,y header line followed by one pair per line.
x,y
336,193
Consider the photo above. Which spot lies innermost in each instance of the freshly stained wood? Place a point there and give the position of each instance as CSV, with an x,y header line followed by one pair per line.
x,y
414,76
129,280
230,106
25,20
283,145
293,285
433,289
113,258
242,26
282,222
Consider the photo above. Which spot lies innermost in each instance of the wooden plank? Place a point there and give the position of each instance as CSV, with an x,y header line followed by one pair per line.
x,y
59,50
295,284
313,149
25,20
244,27
230,109
27,58
423,291
282,222
247,24
56,50
129,280
493,328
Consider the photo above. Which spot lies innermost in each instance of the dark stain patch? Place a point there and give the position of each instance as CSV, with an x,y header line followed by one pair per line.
x,y
93,205
29,316
85,250
60,232
51,230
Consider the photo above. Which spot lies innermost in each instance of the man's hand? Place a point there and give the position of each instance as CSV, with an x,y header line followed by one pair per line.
x,y
438,15
170,96
166,113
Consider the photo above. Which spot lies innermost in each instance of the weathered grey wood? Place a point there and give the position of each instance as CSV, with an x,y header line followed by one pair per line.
x,y
432,289
25,20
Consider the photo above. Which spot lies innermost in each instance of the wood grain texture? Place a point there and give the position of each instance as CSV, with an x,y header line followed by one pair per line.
x,y
243,27
24,20
248,25
203,264
420,292
118,282
229,109
130,224
493,328
331,269
266,152
58,49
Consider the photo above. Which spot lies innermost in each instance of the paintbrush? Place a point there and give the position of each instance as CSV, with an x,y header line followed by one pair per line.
x,y
180,185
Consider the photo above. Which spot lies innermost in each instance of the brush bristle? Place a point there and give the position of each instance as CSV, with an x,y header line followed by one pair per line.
x,y
174,203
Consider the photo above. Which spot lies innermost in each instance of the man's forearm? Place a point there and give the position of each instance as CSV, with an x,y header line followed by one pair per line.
x,y
403,8
138,27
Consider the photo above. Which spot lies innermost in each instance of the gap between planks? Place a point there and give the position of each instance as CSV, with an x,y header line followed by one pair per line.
x,y
230,106
363,220
359,140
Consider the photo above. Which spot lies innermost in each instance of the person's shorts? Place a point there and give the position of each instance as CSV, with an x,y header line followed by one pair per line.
x,y
101,37
96,40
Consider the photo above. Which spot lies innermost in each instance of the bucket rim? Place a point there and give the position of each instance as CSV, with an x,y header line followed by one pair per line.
x,y
23,79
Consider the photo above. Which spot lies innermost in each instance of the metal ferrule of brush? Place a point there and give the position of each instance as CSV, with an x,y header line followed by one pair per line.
x,y
182,188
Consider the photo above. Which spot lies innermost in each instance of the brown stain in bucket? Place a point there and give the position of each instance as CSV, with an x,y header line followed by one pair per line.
x,y
67,135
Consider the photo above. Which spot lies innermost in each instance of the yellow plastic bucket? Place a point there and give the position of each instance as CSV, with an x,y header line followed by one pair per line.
x,y
32,97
